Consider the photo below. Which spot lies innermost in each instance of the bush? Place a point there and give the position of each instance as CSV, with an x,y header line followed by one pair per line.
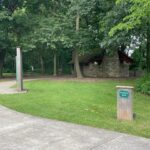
x,y
143,85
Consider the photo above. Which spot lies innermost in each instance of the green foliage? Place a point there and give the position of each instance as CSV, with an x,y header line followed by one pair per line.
x,y
138,14
139,59
125,19
82,6
47,27
109,18
143,85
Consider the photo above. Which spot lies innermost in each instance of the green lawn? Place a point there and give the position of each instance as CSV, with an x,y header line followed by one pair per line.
x,y
88,103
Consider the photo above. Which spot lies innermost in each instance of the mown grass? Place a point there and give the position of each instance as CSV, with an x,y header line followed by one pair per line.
x,y
87,103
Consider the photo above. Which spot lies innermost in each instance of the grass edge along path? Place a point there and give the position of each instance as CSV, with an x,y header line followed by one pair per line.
x,y
86,103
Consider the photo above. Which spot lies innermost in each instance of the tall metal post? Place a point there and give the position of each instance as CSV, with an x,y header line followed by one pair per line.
x,y
19,70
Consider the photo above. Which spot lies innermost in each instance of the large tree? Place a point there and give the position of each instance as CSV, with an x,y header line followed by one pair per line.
x,y
50,29
14,23
137,19
82,14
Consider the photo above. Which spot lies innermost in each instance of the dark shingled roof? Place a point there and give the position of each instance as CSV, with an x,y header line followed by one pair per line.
x,y
123,57
98,57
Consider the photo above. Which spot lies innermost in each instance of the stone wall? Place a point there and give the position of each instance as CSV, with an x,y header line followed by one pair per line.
x,y
110,67
92,70
137,73
124,70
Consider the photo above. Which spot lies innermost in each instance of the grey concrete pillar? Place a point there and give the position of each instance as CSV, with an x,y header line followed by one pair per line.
x,y
19,71
124,102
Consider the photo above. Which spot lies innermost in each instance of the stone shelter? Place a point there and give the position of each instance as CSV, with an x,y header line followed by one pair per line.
x,y
101,65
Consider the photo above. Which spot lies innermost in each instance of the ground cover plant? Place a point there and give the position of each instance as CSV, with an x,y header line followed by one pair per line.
x,y
143,84
91,103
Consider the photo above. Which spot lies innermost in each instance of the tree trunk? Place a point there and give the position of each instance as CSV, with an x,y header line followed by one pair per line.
x,y
42,65
75,52
1,69
76,64
55,64
60,64
77,22
148,50
2,57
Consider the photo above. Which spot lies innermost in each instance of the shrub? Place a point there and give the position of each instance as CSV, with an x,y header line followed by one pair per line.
x,y
143,85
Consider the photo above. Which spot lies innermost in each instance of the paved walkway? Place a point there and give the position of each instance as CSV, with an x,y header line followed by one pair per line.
x,y
5,87
24,132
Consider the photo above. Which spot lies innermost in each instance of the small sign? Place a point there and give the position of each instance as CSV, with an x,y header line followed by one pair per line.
x,y
124,102
124,94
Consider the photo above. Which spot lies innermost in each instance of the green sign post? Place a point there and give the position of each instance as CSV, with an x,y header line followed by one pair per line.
x,y
124,102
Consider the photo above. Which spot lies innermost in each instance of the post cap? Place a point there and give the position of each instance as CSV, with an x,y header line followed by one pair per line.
x,y
124,87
